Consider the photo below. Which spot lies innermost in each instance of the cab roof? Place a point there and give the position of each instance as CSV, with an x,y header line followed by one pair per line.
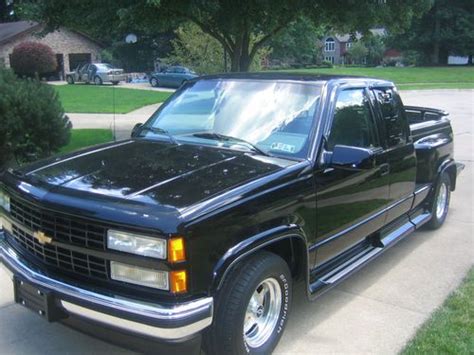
x,y
298,77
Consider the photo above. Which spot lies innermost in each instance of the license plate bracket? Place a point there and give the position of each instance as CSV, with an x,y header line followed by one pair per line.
x,y
37,299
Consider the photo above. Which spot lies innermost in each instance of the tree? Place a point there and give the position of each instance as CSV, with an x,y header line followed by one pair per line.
x,y
447,28
196,50
375,48
358,52
203,53
33,59
297,44
232,23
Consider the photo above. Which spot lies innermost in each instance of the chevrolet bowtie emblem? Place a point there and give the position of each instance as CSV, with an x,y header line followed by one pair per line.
x,y
42,238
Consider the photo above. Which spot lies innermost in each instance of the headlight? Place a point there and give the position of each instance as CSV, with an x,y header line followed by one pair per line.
x,y
4,201
136,244
139,276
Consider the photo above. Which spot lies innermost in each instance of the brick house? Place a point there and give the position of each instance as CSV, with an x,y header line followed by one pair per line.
x,y
335,46
72,48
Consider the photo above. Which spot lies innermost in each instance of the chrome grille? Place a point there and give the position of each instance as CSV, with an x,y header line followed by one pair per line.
x,y
60,227
64,259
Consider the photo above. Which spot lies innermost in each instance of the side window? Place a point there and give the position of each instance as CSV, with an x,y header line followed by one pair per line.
x,y
353,124
393,116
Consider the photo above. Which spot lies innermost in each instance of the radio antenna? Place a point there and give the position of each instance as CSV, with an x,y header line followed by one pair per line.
x,y
113,119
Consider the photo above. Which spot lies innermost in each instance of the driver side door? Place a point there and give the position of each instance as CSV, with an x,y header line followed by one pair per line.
x,y
351,199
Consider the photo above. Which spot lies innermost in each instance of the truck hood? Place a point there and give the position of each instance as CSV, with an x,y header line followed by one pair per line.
x,y
153,172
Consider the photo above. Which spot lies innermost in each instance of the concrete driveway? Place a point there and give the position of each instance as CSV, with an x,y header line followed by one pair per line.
x,y
375,311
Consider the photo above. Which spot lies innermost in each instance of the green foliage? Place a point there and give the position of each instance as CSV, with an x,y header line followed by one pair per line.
x,y
196,50
203,53
32,120
447,28
297,43
358,52
327,64
375,49
450,330
33,58
95,99
242,27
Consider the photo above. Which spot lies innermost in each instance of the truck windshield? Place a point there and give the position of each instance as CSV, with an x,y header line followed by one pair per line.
x,y
269,117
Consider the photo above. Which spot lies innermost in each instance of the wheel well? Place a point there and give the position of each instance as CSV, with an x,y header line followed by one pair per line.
x,y
293,251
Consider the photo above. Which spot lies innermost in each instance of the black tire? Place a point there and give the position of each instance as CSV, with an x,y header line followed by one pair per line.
x,y
241,286
439,213
98,80
70,80
115,82
154,82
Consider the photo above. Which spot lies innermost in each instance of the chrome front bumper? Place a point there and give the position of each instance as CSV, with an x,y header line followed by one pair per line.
x,y
172,323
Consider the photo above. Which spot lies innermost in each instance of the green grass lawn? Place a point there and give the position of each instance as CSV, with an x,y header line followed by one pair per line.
x,y
100,99
81,138
409,77
450,330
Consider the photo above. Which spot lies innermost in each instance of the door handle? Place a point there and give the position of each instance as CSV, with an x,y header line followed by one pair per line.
x,y
384,169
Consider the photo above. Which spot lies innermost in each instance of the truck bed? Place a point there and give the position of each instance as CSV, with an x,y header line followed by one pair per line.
x,y
425,121
433,138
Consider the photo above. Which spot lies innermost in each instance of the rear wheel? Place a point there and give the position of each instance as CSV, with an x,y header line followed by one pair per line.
x,y
252,307
440,204
154,82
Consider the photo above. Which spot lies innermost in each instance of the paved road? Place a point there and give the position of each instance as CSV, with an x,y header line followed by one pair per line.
x,y
375,311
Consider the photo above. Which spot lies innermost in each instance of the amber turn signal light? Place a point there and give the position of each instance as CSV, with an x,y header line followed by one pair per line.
x,y
178,281
176,251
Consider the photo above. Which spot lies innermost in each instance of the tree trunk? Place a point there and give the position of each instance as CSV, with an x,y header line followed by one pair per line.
x,y
437,28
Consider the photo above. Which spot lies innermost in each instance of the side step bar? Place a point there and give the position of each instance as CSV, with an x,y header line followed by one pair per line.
x,y
354,263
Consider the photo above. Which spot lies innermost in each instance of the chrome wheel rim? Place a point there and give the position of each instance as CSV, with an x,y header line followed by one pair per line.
x,y
441,201
263,312
154,82
97,81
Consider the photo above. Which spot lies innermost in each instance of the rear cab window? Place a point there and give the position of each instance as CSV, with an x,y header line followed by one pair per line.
x,y
394,122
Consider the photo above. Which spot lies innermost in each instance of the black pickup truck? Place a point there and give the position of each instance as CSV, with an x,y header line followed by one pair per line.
x,y
195,229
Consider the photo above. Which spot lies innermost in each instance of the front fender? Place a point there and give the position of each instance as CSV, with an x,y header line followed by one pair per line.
x,y
254,244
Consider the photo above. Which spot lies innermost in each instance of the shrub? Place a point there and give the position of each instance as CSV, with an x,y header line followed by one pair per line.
x,y
32,120
32,59
327,64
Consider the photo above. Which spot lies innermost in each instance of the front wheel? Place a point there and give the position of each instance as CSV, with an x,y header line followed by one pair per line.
x,y
69,80
440,204
97,80
252,307
115,82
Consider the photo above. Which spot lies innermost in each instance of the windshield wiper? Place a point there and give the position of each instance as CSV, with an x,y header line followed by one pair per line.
x,y
224,138
161,131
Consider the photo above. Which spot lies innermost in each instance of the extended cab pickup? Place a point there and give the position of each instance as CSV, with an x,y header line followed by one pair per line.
x,y
235,188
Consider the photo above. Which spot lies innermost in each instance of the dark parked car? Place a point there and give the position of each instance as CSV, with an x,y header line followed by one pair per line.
x,y
96,73
172,77
238,186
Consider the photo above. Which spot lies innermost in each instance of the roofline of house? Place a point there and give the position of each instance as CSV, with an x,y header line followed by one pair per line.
x,y
38,25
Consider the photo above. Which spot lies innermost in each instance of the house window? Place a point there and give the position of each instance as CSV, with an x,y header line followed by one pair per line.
x,y
329,58
330,45
348,45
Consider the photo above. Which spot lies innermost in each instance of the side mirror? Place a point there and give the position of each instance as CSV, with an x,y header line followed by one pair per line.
x,y
352,158
136,130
